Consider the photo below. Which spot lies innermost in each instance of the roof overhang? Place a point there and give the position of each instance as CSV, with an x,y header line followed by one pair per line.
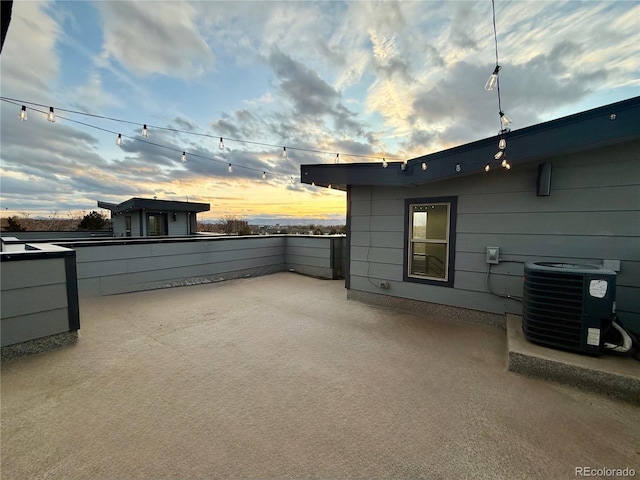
x,y
615,123
154,205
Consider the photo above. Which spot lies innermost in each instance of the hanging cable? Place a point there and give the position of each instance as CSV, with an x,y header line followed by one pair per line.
x,y
494,80
188,132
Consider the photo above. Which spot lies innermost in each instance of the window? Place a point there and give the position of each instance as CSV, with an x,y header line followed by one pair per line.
x,y
156,224
127,226
430,240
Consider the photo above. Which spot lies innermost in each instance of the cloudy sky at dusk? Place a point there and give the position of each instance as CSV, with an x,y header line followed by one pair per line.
x,y
394,80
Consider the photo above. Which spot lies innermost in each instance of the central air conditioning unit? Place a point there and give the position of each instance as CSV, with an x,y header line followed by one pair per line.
x,y
568,306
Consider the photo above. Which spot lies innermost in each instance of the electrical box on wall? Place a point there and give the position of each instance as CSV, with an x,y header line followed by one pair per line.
x,y
493,255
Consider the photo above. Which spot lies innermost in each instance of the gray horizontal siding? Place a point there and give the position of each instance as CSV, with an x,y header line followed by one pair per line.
x,y
592,215
34,299
105,269
34,325
316,256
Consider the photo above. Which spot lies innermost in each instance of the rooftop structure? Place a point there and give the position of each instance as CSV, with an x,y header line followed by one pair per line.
x,y
143,217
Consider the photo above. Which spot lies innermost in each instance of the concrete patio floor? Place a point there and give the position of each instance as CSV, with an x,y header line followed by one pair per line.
x,y
280,377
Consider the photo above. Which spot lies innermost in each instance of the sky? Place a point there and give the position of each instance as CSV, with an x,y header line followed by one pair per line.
x,y
363,79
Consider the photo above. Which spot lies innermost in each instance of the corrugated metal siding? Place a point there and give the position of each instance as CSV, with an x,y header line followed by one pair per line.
x,y
592,214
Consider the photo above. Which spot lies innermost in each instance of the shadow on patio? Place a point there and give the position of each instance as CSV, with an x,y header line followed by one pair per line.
x,y
281,377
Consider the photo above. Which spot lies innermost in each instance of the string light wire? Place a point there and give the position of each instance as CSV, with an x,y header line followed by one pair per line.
x,y
19,102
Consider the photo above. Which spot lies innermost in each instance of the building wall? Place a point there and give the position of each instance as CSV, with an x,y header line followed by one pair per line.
x,y
179,226
110,267
592,215
119,225
39,298
314,255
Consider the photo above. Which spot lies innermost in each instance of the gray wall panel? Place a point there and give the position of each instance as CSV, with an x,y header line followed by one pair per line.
x,y
555,246
378,239
382,223
34,325
105,269
28,273
24,301
378,255
618,223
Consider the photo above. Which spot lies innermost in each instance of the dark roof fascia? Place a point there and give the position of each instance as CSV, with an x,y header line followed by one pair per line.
x,y
586,130
137,203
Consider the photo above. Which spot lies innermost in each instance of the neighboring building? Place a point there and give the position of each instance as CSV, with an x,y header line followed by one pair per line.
x,y
587,212
144,217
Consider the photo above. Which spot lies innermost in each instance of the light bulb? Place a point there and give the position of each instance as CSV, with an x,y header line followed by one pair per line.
x,y
385,164
502,144
504,163
145,132
504,119
184,157
498,155
221,144
230,169
119,140
284,153
337,158
23,113
329,187
458,167
424,165
264,175
403,166
51,116
508,166
493,79
487,167
313,184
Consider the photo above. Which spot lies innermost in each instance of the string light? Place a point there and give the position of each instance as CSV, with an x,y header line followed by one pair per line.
x,y
385,164
458,167
230,169
504,119
169,129
424,165
487,167
403,166
493,79
51,116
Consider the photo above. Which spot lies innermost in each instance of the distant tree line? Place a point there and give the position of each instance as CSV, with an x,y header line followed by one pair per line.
x,y
54,223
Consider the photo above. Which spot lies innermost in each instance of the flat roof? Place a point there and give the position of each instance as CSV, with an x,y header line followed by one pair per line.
x,y
607,125
137,203
281,376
